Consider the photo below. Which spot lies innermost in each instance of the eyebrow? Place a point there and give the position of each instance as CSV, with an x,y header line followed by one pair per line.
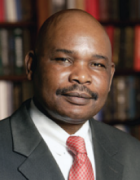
x,y
99,56
66,51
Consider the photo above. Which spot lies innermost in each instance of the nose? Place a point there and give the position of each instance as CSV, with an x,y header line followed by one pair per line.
x,y
80,75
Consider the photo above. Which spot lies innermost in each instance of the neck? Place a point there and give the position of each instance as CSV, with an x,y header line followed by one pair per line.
x,y
69,128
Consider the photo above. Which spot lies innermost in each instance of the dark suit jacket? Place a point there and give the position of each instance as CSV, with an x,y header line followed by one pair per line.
x,y
24,154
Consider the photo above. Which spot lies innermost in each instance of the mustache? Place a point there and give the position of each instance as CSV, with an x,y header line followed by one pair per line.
x,y
81,88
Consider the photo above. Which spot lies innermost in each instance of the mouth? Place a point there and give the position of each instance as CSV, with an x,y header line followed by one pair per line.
x,y
78,95
77,98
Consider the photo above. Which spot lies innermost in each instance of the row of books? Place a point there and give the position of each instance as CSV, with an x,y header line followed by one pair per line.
x,y
12,95
123,102
125,43
14,44
16,10
103,10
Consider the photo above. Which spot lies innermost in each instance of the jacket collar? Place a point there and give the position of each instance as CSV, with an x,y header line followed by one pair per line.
x,y
40,164
107,167
27,141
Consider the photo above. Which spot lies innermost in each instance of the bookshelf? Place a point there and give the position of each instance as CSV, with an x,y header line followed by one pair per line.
x,y
111,16
18,28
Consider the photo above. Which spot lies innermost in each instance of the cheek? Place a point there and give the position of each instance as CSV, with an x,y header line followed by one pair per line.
x,y
102,84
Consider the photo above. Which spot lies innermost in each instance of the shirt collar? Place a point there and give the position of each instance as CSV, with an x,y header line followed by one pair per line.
x,y
53,134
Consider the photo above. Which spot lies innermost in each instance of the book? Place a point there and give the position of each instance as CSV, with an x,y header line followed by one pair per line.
x,y
128,48
5,51
6,99
26,41
136,64
133,10
104,10
80,4
2,11
27,12
58,5
17,95
10,9
11,51
124,10
44,10
116,46
120,98
137,96
1,64
18,10
131,93
113,6
71,4
18,38
110,32
122,49
27,90
92,7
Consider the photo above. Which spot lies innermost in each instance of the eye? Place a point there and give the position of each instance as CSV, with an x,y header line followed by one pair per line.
x,y
62,59
97,65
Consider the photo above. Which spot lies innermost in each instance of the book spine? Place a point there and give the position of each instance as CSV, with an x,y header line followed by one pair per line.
x,y
103,10
2,11
5,51
131,97
113,6
6,99
1,64
137,96
17,95
120,98
92,7
11,51
27,10
58,5
110,32
124,9
80,4
11,13
71,4
18,10
18,51
116,46
137,49
128,49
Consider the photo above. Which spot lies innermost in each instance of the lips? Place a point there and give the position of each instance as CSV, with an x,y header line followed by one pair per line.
x,y
77,98
77,94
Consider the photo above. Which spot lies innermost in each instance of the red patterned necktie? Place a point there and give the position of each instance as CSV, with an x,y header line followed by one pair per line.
x,y
81,168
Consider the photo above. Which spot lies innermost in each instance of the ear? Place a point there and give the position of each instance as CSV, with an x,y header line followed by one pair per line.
x,y
29,58
112,73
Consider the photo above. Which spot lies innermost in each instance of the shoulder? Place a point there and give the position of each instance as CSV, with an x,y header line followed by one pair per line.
x,y
115,136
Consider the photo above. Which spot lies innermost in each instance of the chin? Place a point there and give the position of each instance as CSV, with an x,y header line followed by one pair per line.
x,y
72,118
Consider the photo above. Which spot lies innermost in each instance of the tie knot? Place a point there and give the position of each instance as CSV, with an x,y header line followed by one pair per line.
x,y
76,144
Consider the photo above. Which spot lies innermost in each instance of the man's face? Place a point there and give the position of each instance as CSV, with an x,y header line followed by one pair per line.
x,y
73,75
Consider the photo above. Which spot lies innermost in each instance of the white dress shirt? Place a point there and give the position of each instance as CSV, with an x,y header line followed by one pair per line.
x,y
55,137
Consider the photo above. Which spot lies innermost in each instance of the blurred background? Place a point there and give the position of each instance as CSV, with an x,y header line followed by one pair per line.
x,y
20,21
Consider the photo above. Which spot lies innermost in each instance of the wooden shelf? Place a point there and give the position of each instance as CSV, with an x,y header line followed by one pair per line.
x,y
121,23
126,73
17,24
13,77
129,122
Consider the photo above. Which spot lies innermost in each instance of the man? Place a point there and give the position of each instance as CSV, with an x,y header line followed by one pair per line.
x,y
71,69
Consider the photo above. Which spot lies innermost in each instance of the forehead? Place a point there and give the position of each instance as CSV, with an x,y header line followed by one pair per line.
x,y
70,32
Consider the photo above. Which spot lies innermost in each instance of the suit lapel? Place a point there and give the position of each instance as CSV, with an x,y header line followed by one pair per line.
x,y
107,168
27,141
